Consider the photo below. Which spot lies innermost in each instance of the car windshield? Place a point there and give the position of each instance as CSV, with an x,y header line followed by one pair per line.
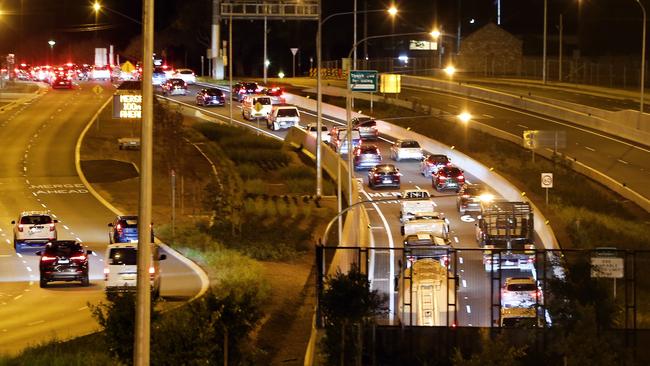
x,y
214,92
36,220
63,249
287,112
521,287
453,172
368,124
361,120
158,70
262,101
123,256
410,144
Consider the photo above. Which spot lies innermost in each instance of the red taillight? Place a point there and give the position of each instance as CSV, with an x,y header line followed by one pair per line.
x,y
52,227
152,272
461,177
465,196
442,177
20,227
47,258
78,258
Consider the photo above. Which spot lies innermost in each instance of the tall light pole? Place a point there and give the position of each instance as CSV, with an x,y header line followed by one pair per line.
x,y
319,93
143,294
544,47
642,63
51,43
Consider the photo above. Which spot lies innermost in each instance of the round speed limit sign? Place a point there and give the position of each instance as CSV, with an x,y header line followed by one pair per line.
x,y
547,180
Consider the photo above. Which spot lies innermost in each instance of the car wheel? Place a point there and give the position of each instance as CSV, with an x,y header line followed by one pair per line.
x,y
43,282
85,281
401,230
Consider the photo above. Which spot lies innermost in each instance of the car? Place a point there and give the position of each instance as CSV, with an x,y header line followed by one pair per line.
x,y
312,129
124,229
256,106
367,127
63,260
426,245
366,156
283,116
34,228
431,163
339,141
276,94
62,81
405,149
174,87
121,269
520,318
448,178
186,75
210,96
384,175
129,143
158,77
470,197
101,73
242,89
520,292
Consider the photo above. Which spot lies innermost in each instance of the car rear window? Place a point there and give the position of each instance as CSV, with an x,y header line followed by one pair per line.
x,y
250,86
215,92
262,101
178,82
370,123
63,249
441,159
369,150
123,256
287,112
186,72
472,191
36,220
410,144
452,172
129,223
355,134
521,287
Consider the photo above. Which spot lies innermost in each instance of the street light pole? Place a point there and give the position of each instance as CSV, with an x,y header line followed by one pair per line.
x,y
143,294
642,63
544,47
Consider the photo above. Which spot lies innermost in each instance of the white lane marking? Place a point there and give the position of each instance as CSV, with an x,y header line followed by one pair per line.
x,y
416,187
42,204
464,283
391,244
456,239
18,297
8,242
19,255
28,269
622,161
434,204
377,227
79,240
82,308
590,148
27,181
469,310
523,126
36,322
66,227
488,115
95,254
24,262
460,260
34,193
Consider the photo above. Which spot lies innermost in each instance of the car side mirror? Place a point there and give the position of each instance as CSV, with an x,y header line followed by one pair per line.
x,y
89,252
13,222
38,253
162,257
110,224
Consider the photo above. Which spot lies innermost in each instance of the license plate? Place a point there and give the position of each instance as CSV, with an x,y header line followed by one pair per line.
x,y
128,277
64,261
387,181
452,184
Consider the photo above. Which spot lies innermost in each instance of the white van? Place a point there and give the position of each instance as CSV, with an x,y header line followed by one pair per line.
x,y
256,106
283,116
120,269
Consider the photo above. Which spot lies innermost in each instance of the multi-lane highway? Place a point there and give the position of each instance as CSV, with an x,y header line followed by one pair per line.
x,y
473,297
38,172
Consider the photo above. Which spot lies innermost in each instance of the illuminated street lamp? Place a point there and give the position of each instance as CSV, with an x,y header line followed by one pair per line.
x,y
464,117
392,11
96,7
51,43
435,34
450,70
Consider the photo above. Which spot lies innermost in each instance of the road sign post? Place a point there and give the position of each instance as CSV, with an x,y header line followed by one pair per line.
x,y
547,182
606,263
293,52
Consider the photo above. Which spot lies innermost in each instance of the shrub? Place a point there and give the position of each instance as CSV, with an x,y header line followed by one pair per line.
x,y
255,186
297,172
249,171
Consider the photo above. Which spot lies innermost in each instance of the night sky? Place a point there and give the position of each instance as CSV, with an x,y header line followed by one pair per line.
x,y
597,27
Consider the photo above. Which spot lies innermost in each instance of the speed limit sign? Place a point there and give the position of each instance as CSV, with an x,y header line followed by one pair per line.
x,y
547,180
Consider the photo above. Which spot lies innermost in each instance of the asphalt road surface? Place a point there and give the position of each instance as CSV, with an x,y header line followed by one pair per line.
x,y
37,172
473,297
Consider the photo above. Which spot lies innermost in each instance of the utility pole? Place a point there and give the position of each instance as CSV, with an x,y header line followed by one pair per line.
x,y
560,52
266,63
544,47
319,102
143,292
354,41
365,30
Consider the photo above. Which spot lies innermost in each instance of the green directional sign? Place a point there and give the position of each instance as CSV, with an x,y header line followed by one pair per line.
x,y
363,81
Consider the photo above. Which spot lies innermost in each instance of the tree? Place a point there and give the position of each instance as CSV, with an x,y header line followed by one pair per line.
x,y
347,304
494,352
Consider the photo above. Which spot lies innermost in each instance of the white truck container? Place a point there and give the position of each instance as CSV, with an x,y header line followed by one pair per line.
x,y
427,222
424,292
415,201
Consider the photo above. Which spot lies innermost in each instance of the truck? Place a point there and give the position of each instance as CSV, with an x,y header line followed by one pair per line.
x,y
424,290
506,231
427,222
414,201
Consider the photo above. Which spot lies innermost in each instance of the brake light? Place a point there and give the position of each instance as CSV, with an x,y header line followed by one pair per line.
x,y
152,272
461,177
448,164
47,258
465,196
78,258
20,227
442,177
106,272
52,227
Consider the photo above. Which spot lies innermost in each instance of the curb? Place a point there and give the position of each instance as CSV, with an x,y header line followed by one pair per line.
x,y
205,281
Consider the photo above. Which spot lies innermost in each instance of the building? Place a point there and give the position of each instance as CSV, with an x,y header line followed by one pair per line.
x,y
490,50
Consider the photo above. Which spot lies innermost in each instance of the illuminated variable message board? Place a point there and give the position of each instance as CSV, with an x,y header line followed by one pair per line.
x,y
127,106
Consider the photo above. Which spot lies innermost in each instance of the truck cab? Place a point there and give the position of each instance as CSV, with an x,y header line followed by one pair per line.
x,y
414,201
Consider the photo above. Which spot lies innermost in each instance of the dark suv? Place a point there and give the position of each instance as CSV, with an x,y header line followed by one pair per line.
x,y
64,260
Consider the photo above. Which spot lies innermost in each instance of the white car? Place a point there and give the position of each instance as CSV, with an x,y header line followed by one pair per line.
x,y
312,129
186,75
256,106
405,149
283,116
34,228
101,73
520,292
121,270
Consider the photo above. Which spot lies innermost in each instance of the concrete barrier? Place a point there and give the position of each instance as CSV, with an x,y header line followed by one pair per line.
x,y
626,124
